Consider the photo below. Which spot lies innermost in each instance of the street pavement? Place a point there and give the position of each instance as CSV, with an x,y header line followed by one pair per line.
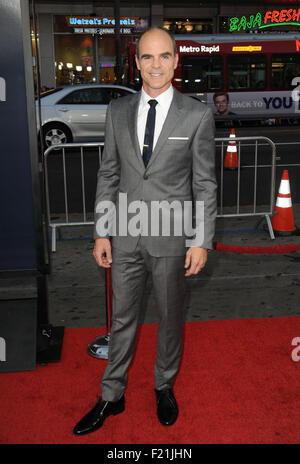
x,y
231,286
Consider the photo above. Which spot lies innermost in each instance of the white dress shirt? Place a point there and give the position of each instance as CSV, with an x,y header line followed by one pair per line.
x,y
164,101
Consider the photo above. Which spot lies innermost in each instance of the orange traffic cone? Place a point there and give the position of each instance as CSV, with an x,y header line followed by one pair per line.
x,y
283,222
231,158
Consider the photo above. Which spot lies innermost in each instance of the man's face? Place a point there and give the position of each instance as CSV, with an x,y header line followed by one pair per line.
x,y
221,104
156,62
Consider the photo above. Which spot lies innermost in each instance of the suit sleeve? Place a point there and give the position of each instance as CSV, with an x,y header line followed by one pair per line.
x,y
107,182
204,175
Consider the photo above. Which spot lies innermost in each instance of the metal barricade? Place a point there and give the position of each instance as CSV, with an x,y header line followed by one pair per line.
x,y
253,211
60,150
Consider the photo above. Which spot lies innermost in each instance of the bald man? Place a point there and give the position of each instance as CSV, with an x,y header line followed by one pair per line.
x,y
159,146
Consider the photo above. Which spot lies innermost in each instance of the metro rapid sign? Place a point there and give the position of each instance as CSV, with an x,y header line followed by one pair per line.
x,y
198,49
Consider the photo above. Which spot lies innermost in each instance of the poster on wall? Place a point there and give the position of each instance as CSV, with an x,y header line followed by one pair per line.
x,y
253,103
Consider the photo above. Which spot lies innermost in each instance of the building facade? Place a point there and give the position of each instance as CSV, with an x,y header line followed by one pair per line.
x,y
78,42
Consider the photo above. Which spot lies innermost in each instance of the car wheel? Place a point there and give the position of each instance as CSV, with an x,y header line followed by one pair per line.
x,y
55,134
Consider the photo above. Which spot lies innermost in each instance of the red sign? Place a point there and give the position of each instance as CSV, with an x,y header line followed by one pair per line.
x,y
87,60
276,16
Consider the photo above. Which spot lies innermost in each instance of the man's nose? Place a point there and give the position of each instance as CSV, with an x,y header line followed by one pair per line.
x,y
156,62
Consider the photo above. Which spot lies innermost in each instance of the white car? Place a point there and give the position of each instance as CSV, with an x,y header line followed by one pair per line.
x,y
77,113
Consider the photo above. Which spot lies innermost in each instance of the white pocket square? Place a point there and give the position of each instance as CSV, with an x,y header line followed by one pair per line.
x,y
178,138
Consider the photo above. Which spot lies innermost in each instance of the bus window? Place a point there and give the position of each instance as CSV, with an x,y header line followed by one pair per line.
x,y
284,67
202,73
246,72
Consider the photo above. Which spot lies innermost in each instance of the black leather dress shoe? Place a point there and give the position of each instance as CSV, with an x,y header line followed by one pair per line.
x,y
94,419
167,409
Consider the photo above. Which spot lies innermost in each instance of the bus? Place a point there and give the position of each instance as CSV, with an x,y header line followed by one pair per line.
x,y
240,76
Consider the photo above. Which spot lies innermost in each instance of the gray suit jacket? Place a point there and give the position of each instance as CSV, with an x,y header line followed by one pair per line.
x,y
182,168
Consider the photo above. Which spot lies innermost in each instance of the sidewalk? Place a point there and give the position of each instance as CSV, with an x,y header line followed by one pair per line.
x,y
230,286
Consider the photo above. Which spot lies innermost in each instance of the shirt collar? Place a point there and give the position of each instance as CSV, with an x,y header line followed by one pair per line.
x,y
164,99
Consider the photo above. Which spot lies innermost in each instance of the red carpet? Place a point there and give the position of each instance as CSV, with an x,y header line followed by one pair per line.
x,y
237,384
256,250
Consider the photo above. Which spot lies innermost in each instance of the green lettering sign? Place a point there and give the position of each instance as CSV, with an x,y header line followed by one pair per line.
x,y
242,23
236,24
250,23
233,24
257,21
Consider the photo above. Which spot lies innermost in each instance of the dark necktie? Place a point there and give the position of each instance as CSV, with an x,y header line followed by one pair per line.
x,y
149,132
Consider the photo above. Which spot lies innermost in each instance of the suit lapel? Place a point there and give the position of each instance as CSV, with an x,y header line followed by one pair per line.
x,y
173,118
132,113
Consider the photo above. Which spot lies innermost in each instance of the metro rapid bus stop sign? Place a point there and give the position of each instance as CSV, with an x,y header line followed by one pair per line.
x,y
23,249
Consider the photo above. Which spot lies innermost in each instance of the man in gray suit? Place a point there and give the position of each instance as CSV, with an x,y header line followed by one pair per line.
x,y
159,147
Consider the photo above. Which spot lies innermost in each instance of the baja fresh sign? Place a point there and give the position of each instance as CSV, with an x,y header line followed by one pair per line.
x,y
269,19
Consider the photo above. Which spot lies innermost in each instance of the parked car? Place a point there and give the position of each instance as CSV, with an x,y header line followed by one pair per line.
x,y
77,113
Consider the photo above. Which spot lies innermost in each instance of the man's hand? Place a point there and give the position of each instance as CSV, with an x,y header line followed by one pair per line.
x,y
102,252
195,260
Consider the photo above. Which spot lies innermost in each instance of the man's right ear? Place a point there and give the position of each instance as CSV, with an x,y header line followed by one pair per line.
x,y
137,62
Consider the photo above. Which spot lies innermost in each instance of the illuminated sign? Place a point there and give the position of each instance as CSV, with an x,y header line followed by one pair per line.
x,y
201,48
248,48
103,21
269,19
102,31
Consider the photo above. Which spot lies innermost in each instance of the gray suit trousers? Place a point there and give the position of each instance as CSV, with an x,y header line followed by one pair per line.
x,y
129,275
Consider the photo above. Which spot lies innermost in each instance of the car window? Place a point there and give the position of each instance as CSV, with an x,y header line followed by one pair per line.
x,y
49,92
113,93
94,96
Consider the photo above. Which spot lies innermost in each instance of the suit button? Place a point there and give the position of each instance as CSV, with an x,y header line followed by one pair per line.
x,y
146,176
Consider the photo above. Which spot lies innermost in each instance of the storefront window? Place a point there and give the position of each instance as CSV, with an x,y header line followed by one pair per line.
x,y
86,54
223,24
107,59
189,26
73,59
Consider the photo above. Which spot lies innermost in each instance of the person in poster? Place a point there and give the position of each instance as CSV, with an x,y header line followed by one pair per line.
x,y
221,101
